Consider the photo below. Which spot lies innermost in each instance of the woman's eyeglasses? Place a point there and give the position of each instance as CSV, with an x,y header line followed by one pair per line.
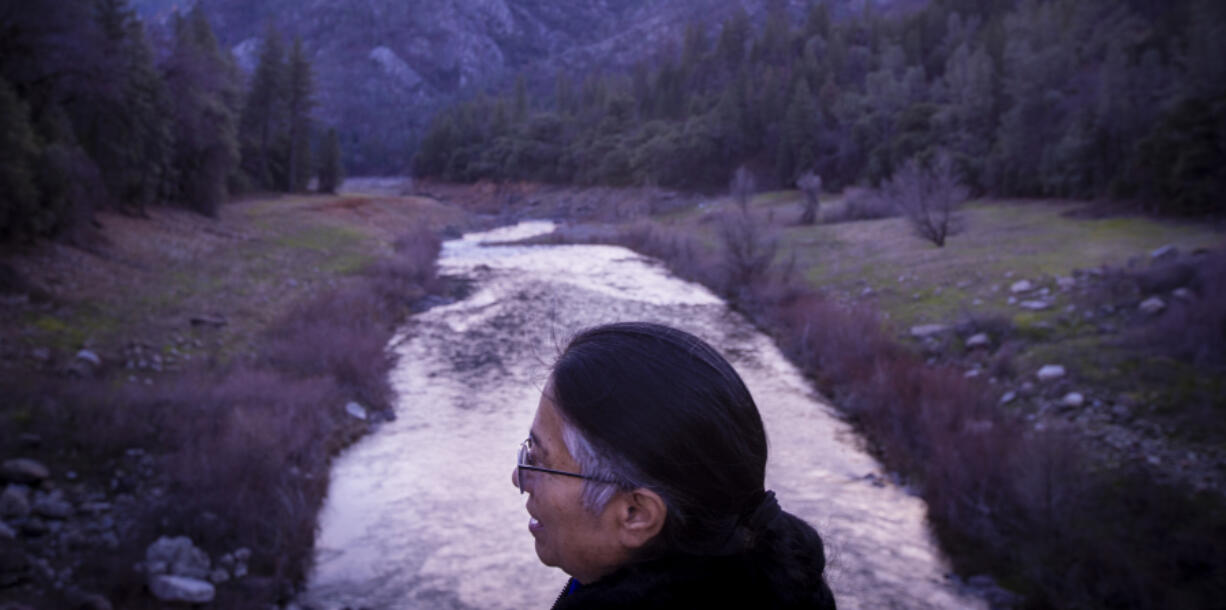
x,y
524,462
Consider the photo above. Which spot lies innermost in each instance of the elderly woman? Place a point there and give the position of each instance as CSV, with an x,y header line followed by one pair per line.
x,y
644,473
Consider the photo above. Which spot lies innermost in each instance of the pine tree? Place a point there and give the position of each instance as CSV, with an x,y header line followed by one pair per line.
x,y
331,173
299,103
263,118
205,94
19,151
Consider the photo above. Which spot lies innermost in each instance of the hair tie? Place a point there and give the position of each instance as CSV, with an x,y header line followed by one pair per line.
x,y
763,512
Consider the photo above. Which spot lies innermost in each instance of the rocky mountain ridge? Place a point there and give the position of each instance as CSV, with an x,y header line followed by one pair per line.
x,y
383,67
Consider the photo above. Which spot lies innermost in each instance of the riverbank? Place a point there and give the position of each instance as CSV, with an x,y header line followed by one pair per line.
x,y
1020,479
182,376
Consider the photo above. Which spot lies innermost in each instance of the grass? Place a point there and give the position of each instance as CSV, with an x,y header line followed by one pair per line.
x,y
242,434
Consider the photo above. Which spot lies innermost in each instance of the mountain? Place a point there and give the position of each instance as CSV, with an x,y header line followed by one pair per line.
x,y
383,67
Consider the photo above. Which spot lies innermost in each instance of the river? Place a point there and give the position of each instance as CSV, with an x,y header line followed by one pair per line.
x,y
422,513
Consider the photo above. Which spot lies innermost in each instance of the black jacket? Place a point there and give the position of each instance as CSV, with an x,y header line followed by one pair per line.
x,y
739,581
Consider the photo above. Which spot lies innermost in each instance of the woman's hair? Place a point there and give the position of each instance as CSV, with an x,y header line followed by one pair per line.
x,y
646,405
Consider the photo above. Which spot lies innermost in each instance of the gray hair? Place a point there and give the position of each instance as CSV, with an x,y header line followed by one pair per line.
x,y
611,473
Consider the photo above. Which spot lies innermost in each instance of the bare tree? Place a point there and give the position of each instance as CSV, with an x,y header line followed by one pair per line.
x,y
811,185
749,245
743,187
929,197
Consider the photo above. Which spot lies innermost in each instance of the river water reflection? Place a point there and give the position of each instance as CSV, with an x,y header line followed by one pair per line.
x,y
422,513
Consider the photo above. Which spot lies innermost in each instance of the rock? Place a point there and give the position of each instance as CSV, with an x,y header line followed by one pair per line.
x,y
180,557
928,330
214,321
1073,399
6,532
1008,397
53,507
1021,286
1165,252
1050,372
978,340
972,373
1034,305
1011,300
23,470
84,600
15,502
1182,294
1066,283
242,554
89,357
14,566
41,354
1152,305
1121,411
356,410
219,576
181,589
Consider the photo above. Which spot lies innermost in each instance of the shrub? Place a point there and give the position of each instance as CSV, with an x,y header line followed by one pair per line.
x,y
811,185
929,197
861,204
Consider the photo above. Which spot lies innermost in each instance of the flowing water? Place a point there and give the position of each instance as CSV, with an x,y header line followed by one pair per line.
x,y
422,513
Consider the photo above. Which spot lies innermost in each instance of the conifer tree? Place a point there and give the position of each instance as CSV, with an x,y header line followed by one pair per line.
x,y
299,103
19,151
331,173
205,96
263,118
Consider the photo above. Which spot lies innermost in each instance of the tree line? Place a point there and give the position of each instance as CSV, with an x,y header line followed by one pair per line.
x,y
1035,98
98,111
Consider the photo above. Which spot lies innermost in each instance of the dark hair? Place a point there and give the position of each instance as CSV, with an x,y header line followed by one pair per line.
x,y
666,404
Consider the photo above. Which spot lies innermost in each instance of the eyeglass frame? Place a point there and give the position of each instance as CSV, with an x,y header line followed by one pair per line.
x,y
520,466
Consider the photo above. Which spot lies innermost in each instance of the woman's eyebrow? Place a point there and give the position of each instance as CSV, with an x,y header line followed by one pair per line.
x,y
536,443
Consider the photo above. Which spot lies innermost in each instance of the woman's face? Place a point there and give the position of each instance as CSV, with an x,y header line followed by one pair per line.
x,y
568,536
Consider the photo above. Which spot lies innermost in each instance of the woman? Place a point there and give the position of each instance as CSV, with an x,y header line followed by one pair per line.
x,y
644,473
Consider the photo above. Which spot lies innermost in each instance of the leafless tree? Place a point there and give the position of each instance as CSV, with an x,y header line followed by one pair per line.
x,y
811,185
749,245
743,187
929,196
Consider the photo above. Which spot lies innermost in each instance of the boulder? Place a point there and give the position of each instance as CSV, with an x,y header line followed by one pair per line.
x,y
85,600
15,502
179,556
1165,252
1050,372
1034,305
978,340
24,470
1182,294
53,506
1021,286
356,410
1008,397
928,330
169,588
1066,283
1152,306
1073,399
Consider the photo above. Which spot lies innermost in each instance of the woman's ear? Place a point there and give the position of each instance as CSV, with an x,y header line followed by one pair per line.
x,y
641,515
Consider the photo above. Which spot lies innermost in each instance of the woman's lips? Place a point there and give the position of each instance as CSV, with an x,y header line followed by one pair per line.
x,y
534,526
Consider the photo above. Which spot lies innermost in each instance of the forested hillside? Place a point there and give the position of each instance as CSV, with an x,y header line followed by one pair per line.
x,y
385,67
1068,98
98,112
